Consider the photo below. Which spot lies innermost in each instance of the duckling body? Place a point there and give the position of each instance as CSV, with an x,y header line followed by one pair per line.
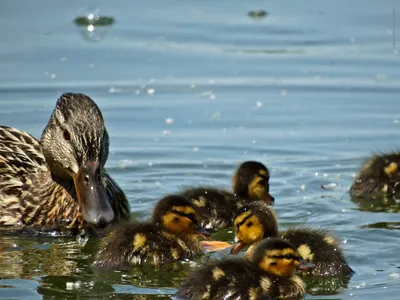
x,y
55,182
256,221
266,272
170,236
219,206
320,248
379,174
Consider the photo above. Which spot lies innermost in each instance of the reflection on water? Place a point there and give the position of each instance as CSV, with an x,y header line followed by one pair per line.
x,y
92,26
378,203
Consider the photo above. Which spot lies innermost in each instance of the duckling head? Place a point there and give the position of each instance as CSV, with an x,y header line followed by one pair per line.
x,y
75,144
177,215
251,182
277,256
252,223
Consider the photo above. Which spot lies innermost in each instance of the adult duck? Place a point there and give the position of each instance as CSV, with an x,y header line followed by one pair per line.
x,y
59,181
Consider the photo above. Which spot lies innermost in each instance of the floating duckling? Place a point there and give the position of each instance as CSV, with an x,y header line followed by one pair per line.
x,y
250,183
257,221
172,235
266,272
379,174
60,181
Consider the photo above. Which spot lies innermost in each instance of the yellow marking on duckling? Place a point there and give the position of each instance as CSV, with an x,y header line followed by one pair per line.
x,y
274,263
265,284
241,217
391,169
200,202
174,253
251,231
281,252
385,188
253,293
263,173
330,240
184,209
139,241
305,252
207,294
218,273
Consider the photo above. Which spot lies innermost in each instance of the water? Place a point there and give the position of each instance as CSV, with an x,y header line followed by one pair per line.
x,y
188,90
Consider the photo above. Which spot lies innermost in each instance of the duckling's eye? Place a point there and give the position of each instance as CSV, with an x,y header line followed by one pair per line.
x,y
67,135
175,220
249,224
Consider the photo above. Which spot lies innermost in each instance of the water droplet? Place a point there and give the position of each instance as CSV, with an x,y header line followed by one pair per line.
x,y
196,149
169,121
283,92
150,91
92,26
259,104
212,97
53,75
303,187
69,285
166,132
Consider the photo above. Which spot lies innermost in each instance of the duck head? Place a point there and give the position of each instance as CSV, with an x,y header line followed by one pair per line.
x,y
75,144
277,256
251,182
252,223
176,215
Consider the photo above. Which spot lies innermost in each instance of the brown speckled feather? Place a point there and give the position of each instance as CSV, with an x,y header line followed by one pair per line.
x,y
28,194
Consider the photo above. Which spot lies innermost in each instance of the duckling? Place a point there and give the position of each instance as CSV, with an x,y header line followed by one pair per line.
x,y
257,221
379,174
171,235
60,181
265,272
218,207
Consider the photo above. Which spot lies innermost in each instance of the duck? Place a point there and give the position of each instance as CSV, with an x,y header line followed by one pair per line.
x,y
218,206
257,221
172,234
380,174
266,271
59,182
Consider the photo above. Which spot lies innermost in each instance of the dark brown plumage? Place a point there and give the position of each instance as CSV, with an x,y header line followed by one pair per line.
x,y
60,182
171,235
266,272
380,174
218,206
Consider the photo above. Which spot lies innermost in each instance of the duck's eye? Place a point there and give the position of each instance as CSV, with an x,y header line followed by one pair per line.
x,y
87,179
175,220
249,224
67,135
288,256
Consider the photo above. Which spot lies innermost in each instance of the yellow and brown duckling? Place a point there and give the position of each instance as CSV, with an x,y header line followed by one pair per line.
x,y
218,206
267,271
257,221
380,174
59,181
171,235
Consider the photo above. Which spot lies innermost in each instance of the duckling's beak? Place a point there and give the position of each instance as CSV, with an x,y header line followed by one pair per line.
x,y
305,265
204,232
92,198
212,246
236,248
269,199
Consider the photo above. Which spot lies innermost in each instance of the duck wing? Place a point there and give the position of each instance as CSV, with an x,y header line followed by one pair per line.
x,y
117,198
21,160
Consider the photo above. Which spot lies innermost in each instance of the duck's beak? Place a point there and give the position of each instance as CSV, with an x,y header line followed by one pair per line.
x,y
236,248
269,200
92,198
202,231
212,246
305,265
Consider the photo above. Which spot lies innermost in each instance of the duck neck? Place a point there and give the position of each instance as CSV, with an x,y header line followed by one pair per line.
x,y
58,202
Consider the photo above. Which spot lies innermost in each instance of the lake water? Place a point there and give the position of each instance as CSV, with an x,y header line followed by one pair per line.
x,y
188,90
